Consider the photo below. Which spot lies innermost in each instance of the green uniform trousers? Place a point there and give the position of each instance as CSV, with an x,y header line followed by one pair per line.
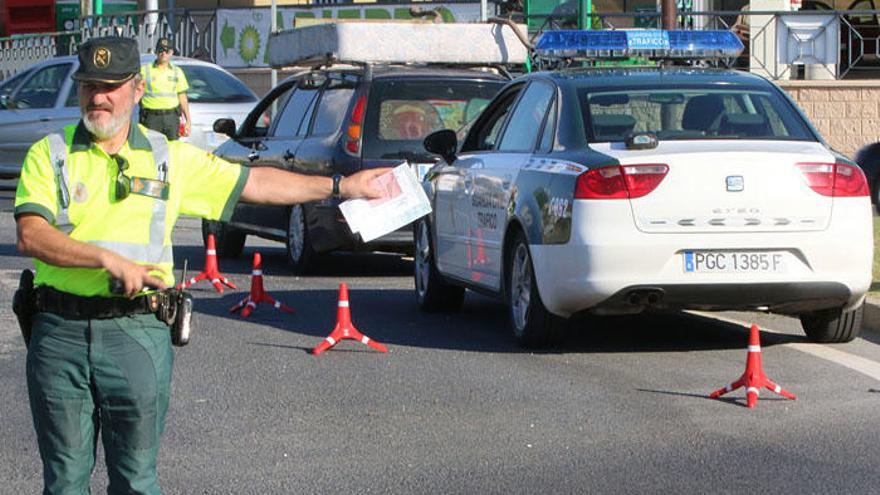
x,y
111,376
166,122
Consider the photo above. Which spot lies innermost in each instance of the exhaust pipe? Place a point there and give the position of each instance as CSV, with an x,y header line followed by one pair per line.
x,y
645,297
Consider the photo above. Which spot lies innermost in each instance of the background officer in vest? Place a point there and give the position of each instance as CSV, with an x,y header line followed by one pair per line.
x,y
97,202
164,98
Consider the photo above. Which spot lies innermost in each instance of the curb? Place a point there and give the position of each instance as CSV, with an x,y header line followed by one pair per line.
x,y
871,318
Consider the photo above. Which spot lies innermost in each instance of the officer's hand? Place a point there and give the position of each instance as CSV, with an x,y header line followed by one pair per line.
x,y
360,185
187,128
134,277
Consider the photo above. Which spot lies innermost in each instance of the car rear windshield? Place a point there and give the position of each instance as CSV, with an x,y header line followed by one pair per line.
x,y
209,85
401,113
679,114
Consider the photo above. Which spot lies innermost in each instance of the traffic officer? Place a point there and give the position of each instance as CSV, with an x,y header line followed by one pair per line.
x,y
97,202
164,99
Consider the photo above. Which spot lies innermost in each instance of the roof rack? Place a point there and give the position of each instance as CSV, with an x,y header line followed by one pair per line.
x,y
396,43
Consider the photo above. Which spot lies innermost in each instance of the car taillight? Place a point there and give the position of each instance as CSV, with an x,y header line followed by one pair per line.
x,y
835,179
620,181
354,131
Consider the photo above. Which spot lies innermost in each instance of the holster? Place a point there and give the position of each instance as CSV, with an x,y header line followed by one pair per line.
x,y
175,309
24,305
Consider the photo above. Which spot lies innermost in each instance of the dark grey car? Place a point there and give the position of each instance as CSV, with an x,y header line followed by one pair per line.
x,y
330,121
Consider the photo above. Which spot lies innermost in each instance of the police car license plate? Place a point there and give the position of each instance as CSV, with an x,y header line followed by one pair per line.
x,y
734,261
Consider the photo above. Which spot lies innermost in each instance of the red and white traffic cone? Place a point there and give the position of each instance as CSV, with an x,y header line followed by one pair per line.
x,y
345,329
211,271
753,378
258,294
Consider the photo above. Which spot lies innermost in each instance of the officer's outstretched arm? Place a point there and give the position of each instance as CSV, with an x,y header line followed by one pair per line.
x,y
40,240
268,185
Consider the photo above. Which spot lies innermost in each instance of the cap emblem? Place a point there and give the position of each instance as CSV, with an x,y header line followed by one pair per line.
x,y
101,58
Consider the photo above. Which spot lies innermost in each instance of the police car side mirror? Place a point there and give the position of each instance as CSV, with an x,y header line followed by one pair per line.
x,y
225,126
443,143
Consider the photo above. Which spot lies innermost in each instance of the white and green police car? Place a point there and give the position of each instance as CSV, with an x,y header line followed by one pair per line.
x,y
611,190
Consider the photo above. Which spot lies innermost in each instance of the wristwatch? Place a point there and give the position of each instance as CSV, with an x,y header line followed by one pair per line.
x,y
337,178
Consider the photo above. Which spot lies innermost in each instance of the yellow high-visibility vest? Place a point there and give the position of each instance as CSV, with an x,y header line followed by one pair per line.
x,y
69,180
162,85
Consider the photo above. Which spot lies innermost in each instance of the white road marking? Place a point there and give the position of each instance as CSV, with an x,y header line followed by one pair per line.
x,y
860,364
864,366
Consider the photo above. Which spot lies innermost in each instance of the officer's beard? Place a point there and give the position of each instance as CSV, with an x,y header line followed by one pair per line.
x,y
111,127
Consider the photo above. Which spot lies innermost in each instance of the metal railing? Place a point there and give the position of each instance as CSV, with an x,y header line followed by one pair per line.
x,y
194,34
854,34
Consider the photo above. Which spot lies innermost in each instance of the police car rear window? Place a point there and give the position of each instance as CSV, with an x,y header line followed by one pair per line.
x,y
401,113
681,114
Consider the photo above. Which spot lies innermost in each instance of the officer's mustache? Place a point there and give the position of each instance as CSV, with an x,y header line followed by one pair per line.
x,y
108,108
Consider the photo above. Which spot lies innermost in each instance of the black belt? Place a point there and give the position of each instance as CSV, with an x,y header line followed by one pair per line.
x,y
162,111
80,307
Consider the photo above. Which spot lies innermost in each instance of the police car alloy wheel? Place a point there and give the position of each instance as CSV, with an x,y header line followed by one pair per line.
x,y
299,247
432,293
533,325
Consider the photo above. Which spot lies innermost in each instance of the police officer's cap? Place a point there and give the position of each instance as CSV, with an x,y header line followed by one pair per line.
x,y
164,45
110,60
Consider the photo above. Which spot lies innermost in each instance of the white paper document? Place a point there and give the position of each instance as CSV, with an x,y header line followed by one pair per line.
x,y
403,201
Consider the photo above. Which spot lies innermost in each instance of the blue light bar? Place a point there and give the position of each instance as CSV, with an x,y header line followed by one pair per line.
x,y
650,43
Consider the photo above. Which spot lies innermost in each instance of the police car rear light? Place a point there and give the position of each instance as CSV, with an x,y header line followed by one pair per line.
x,y
620,181
835,179
353,133
650,43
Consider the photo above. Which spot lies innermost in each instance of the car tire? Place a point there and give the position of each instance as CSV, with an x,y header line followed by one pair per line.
x,y
833,325
432,293
300,252
229,242
532,324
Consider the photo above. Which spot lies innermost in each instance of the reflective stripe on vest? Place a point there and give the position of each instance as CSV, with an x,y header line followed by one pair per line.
x,y
58,155
149,91
155,251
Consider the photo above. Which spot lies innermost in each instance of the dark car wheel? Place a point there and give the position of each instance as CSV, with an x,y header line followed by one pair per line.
x,y
533,326
833,325
432,293
299,247
230,243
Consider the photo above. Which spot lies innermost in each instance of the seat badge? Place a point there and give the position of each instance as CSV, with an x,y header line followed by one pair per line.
x,y
735,183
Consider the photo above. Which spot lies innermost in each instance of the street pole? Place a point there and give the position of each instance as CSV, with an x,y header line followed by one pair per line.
x,y
585,9
171,7
273,27
152,18
668,14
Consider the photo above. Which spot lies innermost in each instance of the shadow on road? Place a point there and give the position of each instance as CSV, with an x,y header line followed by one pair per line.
x,y
392,317
275,261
